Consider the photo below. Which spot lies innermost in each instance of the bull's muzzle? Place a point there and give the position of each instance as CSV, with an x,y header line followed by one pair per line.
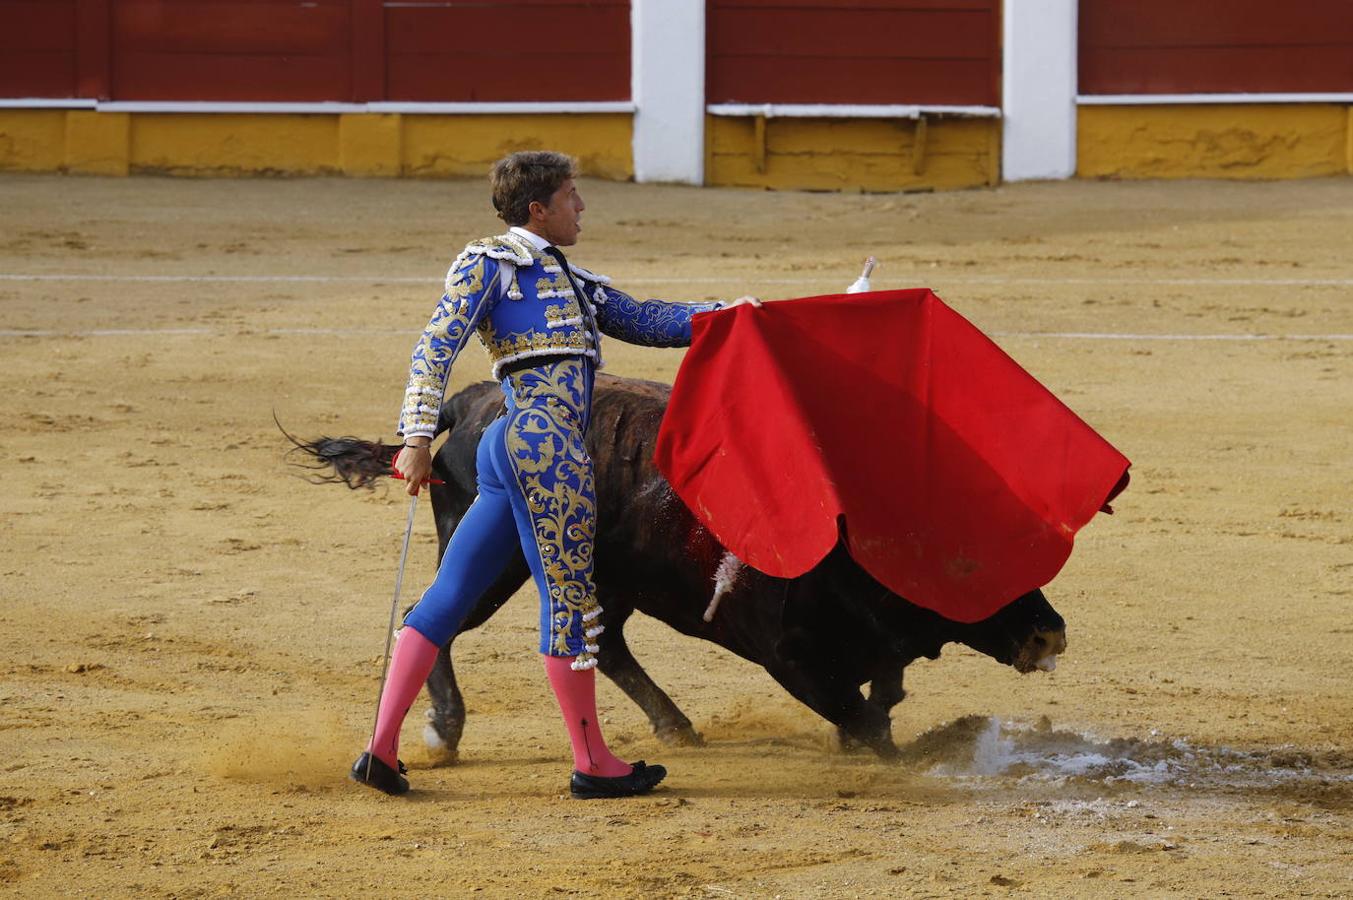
x,y
1040,650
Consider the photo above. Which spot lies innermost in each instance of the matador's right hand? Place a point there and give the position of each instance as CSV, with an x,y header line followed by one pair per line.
x,y
415,464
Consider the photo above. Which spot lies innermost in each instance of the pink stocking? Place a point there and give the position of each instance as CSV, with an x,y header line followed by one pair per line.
x,y
409,667
577,695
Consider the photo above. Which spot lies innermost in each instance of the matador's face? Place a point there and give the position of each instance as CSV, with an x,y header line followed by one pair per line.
x,y
560,221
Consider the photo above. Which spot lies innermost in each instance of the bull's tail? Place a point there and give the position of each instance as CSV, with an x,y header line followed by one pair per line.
x,y
350,460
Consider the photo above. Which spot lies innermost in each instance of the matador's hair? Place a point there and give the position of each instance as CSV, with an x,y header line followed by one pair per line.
x,y
530,175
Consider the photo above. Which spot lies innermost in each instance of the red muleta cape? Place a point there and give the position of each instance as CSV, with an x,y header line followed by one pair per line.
x,y
889,421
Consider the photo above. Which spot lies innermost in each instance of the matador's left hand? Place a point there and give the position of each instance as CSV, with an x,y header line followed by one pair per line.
x,y
744,301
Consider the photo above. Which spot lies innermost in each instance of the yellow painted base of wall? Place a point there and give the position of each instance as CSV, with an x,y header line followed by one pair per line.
x,y
852,154
785,153
1245,141
102,143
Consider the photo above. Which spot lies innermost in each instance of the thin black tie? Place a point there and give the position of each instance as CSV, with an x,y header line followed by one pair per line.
x,y
584,305
563,262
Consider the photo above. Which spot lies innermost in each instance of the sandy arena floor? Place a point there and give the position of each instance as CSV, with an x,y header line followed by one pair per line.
x,y
192,632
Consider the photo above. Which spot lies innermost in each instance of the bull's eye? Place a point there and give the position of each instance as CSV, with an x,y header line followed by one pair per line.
x,y
1040,640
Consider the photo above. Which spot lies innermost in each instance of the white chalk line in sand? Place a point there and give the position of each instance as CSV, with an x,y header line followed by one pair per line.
x,y
404,332
937,275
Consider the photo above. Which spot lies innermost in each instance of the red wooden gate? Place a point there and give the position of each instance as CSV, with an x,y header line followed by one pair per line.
x,y
854,51
1206,46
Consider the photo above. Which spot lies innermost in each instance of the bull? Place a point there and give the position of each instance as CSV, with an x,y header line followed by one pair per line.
x,y
822,635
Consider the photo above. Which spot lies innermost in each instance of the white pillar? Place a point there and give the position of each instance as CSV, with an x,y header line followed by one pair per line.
x,y
1039,87
668,86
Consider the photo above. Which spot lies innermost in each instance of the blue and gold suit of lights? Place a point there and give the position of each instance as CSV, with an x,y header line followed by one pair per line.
x,y
535,478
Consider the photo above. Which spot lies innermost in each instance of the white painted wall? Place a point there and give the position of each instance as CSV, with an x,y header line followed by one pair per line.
x,y
668,90
1039,87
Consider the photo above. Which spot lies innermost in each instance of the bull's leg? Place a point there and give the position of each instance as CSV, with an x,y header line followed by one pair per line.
x,y
615,661
838,701
885,692
446,716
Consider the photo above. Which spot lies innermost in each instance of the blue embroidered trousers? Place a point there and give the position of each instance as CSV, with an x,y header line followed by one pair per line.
x,y
536,492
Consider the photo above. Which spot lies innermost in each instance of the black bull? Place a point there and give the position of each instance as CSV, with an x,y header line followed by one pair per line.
x,y
822,635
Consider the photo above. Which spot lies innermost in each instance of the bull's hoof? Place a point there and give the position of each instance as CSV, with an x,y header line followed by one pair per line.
x,y
880,744
886,750
844,743
440,753
442,734
679,736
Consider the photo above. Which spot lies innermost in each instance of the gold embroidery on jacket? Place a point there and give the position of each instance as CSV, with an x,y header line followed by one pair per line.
x,y
518,343
443,338
557,286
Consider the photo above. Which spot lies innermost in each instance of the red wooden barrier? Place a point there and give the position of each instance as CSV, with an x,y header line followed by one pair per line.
x,y
93,53
854,51
368,50
1202,46
316,50
37,48
266,50
504,50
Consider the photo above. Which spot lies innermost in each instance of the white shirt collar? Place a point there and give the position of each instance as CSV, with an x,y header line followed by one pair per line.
x,y
536,240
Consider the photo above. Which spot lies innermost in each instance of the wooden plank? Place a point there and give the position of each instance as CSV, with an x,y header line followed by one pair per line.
x,y
43,73
517,12
316,27
847,5
93,77
871,33
368,50
1217,70
432,78
37,26
1170,23
455,54
37,48
265,78
478,29
835,80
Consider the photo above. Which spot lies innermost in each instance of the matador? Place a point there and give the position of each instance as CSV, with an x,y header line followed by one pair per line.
x,y
540,317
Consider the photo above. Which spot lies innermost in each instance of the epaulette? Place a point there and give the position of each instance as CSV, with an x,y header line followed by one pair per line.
x,y
508,246
505,248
